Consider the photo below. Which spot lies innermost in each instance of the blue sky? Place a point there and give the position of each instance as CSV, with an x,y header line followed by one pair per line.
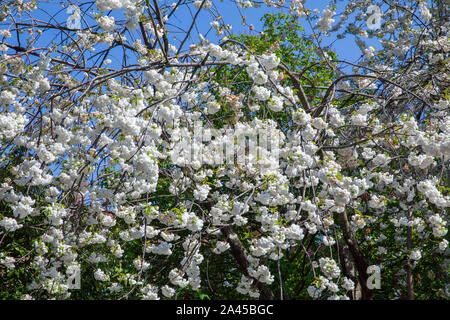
x,y
345,48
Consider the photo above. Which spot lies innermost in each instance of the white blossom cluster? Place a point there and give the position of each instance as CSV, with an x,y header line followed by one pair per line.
x,y
139,174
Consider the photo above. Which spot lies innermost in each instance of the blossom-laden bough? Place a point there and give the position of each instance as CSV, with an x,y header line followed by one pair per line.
x,y
139,159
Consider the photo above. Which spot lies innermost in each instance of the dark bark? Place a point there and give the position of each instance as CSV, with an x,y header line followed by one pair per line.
x,y
348,268
409,273
360,263
240,255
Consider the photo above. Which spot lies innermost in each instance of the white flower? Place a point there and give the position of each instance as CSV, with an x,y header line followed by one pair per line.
x,y
107,23
309,132
7,97
415,254
294,232
23,208
115,287
301,117
369,52
107,221
443,245
201,192
319,123
381,160
275,104
221,246
424,12
106,5
359,119
262,273
100,275
341,196
8,262
421,161
44,84
55,214
329,267
10,224
324,23
97,258
260,78
45,155
376,202
270,61
215,24
261,93
348,284
328,241
164,248
176,278
333,287
141,265
217,51
314,292
213,107
11,124
117,251
206,5
168,291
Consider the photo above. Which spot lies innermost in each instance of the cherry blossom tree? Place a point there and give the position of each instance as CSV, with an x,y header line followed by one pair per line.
x,y
145,155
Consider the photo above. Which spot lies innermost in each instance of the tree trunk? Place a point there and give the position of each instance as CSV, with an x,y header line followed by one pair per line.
x,y
409,273
240,255
348,267
358,258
